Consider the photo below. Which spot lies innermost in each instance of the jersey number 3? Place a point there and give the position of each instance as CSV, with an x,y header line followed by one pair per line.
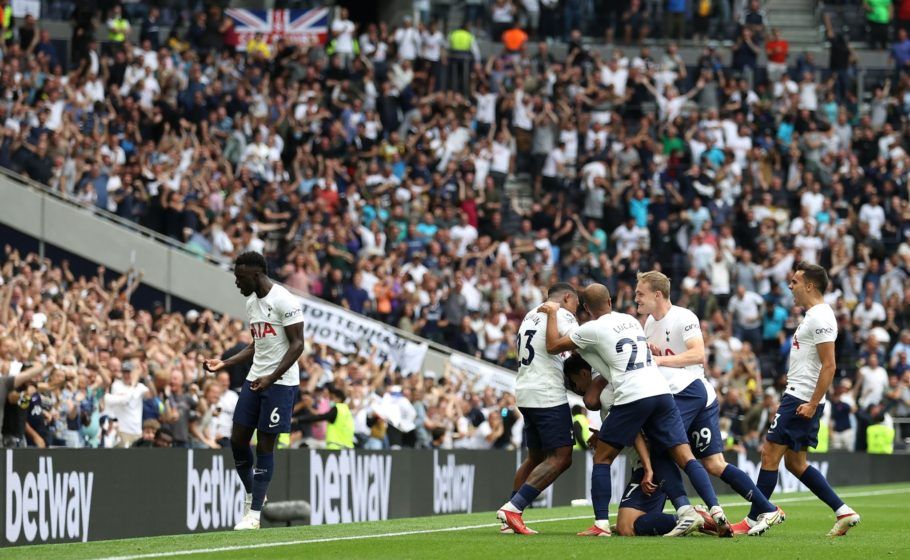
x,y
633,365
529,334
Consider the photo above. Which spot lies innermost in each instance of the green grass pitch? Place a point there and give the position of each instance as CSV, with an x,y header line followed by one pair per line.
x,y
882,534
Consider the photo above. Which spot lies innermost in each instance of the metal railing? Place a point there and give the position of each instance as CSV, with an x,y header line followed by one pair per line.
x,y
111,217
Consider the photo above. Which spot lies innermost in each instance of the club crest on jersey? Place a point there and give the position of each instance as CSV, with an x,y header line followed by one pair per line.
x,y
668,336
262,330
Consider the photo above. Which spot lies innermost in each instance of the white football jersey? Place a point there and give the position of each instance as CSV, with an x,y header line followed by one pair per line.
x,y
268,317
818,326
616,347
670,336
539,383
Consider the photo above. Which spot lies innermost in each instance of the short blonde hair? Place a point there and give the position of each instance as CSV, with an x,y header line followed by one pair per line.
x,y
658,281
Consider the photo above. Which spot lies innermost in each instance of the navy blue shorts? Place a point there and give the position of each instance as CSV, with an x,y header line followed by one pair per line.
x,y
791,430
634,497
268,411
548,428
702,424
657,416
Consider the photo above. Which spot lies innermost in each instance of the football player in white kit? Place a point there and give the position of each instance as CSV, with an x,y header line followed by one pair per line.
x,y
641,508
675,339
267,397
615,346
795,425
541,395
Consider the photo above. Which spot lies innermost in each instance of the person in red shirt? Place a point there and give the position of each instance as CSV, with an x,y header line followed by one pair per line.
x,y
903,14
777,49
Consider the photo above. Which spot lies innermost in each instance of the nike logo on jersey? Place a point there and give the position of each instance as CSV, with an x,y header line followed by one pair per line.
x,y
273,425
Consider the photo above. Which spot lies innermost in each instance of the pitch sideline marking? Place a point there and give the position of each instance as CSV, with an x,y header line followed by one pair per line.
x,y
447,529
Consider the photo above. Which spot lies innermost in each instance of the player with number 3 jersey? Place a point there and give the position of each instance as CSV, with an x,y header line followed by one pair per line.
x,y
674,336
541,395
794,427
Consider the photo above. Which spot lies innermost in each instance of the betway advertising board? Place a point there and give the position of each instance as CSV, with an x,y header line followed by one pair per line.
x,y
63,495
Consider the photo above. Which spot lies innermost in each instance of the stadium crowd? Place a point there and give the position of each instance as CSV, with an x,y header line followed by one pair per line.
x,y
376,179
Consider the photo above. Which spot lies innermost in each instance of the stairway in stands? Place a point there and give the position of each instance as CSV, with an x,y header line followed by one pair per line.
x,y
797,20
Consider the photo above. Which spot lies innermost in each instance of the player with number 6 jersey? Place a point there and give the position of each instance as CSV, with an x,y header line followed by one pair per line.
x,y
541,396
615,346
267,397
674,336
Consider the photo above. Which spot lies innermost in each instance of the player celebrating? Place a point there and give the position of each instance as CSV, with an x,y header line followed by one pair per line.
x,y
675,339
270,390
795,426
541,395
615,345
642,504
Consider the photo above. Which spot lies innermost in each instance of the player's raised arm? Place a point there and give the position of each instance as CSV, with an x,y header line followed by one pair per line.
x,y
294,333
555,343
825,377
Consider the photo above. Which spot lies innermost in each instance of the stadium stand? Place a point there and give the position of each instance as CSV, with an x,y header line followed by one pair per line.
x,y
378,179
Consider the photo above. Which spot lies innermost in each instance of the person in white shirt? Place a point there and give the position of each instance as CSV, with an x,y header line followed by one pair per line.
x,y
541,396
614,344
267,398
676,342
746,309
226,405
464,234
871,383
671,104
867,314
408,40
124,402
628,237
874,215
794,428
343,30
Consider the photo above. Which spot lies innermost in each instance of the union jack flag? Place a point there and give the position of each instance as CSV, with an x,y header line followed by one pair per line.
x,y
302,27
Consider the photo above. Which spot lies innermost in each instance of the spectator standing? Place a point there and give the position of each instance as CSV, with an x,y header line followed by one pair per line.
x,y
878,18
124,402
777,49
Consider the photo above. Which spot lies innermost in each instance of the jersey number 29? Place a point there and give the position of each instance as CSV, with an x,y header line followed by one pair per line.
x,y
633,365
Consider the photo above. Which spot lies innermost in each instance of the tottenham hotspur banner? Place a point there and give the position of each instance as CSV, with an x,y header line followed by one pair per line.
x,y
301,27
351,333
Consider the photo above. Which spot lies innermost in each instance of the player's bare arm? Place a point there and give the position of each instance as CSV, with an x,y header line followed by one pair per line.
x,y
555,343
592,395
694,355
295,349
825,377
215,365
647,481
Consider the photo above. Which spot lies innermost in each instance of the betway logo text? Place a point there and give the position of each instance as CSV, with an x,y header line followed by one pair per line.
x,y
453,486
346,487
214,495
787,481
47,505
